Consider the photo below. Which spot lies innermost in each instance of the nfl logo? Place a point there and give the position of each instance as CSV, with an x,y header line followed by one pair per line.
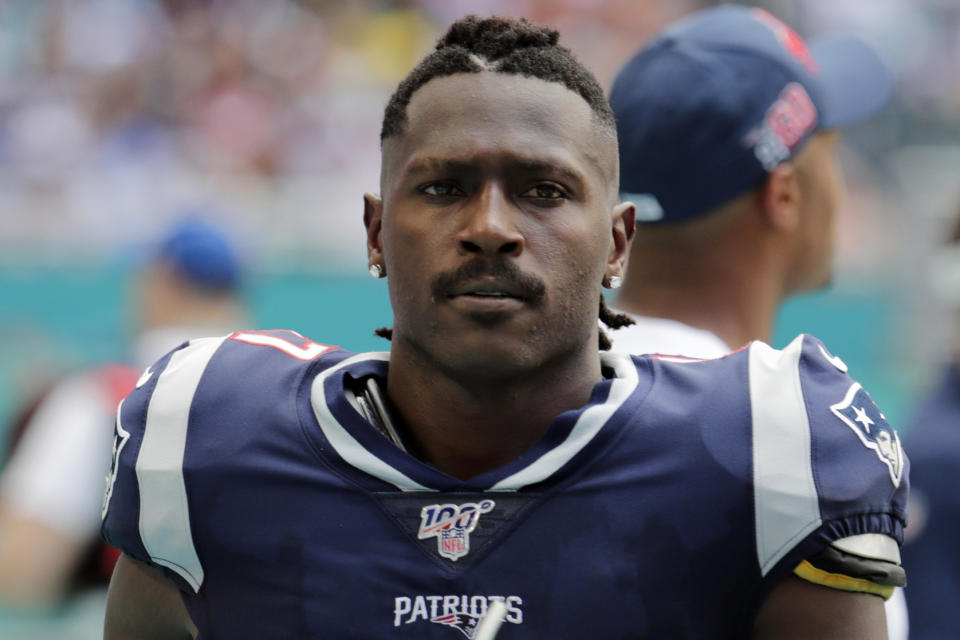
x,y
452,541
451,524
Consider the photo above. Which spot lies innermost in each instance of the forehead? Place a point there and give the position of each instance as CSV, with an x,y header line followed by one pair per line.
x,y
489,115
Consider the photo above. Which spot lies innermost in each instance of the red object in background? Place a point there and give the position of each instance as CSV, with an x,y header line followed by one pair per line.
x,y
108,560
117,381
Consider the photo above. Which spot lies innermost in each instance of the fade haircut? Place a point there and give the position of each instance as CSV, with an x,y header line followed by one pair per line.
x,y
501,45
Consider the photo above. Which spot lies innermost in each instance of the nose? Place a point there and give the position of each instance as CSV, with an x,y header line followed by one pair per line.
x,y
490,227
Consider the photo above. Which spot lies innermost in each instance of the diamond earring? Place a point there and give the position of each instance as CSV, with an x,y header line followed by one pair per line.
x,y
376,271
615,282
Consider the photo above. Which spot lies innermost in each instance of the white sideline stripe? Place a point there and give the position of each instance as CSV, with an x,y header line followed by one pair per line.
x,y
164,516
345,444
786,504
587,426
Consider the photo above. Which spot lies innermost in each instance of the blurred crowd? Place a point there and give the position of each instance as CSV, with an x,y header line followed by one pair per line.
x,y
115,112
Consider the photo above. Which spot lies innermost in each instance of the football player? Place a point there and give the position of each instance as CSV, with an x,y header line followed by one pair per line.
x,y
268,486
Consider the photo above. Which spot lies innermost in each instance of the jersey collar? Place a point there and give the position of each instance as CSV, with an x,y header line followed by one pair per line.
x,y
361,448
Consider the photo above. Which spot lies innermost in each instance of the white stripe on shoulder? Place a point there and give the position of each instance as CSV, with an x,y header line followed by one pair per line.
x,y
786,504
164,515
345,444
587,426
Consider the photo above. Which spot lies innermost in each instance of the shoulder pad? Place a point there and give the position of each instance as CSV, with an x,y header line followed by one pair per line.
x,y
145,506
203,384
834,399
822,450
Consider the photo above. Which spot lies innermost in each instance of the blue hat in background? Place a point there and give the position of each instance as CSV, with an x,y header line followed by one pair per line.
x,y
722,97
201,254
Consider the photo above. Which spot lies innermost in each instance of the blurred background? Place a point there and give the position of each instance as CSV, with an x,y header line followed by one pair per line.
x,y
118,116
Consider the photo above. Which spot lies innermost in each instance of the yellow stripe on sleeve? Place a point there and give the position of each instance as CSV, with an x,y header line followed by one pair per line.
x,y
812,574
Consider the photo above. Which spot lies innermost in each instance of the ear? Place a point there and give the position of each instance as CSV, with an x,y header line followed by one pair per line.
x,y
780,198
622,230
372,217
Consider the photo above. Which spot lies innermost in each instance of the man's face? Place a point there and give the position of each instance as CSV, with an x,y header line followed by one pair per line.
x,y
496,224
822,190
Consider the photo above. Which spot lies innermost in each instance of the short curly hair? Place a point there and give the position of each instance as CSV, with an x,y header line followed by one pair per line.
x,y
502,45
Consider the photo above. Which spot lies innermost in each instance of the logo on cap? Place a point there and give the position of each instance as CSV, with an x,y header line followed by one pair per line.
x,y
786,122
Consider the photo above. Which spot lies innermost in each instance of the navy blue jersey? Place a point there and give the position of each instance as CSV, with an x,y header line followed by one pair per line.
x,y
931,550
667,507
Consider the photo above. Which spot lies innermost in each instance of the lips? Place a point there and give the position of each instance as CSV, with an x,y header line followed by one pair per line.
x,y
488,289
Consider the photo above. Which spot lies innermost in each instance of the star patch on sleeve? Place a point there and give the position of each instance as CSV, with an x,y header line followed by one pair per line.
x,y
859,412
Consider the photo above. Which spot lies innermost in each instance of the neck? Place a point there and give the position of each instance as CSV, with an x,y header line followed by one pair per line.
x,y
464,424
734,299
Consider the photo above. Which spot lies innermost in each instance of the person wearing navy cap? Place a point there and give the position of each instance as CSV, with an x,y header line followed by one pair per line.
x,y
728,130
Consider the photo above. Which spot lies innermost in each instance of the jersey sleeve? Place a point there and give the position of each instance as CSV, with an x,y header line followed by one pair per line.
x,y
831,477
145,510
212,408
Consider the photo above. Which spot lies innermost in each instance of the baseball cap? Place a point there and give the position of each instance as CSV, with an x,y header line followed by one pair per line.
x,y
201,254
720,98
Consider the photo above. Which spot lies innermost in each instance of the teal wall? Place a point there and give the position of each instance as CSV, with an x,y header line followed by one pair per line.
x,y
53,320
859,325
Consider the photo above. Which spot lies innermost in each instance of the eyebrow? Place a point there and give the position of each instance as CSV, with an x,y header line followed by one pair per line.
x,y
421,166
540,166
427,165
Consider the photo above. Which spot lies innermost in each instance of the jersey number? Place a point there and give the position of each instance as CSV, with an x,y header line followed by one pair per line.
x,y
290,342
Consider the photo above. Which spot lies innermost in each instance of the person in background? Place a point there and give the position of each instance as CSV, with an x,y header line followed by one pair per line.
x,y
934,442
58,453
729,127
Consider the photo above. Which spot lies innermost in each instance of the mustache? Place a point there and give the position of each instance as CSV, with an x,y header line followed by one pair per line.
x,y
529,287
